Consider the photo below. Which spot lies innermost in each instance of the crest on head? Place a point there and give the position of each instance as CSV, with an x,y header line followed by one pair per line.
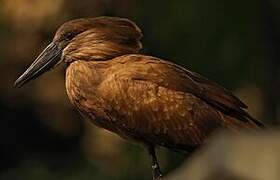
x,y
98,38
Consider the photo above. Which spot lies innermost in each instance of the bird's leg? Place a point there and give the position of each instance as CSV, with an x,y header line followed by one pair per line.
x,y
155,166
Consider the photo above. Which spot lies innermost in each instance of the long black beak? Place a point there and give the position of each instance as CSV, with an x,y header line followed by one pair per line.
x,y
44,62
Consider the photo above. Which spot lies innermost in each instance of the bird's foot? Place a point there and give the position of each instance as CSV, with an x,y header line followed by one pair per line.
x,y
157,175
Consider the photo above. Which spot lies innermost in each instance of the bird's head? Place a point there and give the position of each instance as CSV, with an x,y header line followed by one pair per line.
x,y
88,39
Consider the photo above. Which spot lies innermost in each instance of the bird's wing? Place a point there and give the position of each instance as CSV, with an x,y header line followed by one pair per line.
x,y
170,105
172,76
144,111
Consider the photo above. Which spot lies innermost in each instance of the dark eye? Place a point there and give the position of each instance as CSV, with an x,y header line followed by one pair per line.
x,y
69,36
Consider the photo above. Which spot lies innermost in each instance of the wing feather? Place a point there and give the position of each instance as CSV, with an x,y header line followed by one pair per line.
x,y
172,76
157,115
167,103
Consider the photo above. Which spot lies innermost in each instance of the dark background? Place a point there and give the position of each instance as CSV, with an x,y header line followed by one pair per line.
x,y
236,43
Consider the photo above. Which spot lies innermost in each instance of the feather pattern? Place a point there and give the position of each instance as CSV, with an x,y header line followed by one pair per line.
x,y
153,101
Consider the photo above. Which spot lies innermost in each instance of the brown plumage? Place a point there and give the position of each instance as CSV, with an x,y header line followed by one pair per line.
x,y
138,97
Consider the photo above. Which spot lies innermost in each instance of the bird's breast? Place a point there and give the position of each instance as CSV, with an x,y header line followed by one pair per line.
x,y
82,80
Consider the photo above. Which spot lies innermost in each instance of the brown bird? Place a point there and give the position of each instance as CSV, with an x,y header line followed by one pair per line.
x,y
140,98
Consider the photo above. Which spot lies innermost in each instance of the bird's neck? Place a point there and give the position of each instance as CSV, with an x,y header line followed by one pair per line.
x,y
82,79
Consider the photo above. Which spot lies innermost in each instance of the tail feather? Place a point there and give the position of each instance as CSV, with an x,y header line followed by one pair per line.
x,y
258,123
235,124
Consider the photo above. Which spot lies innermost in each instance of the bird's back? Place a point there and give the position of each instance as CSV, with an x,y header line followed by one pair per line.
x,y
153,101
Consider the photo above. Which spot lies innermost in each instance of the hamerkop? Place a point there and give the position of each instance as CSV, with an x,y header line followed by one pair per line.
x,y
141,98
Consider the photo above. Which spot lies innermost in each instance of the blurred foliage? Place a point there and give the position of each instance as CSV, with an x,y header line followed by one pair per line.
x,y
235,43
